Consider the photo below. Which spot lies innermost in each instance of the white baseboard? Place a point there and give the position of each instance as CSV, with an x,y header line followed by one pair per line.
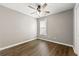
x,y
75,51
57,42
17,44
31,40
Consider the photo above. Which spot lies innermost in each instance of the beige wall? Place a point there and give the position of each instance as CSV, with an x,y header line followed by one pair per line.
x,y
60,27
15,27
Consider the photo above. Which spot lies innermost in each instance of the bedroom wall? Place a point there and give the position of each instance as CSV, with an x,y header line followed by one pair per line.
x,y
15,27
59,27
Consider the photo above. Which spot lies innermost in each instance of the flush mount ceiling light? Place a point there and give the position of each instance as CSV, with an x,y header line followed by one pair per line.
x,y
40,8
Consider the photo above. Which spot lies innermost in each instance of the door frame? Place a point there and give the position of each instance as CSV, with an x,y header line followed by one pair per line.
x,y
75,29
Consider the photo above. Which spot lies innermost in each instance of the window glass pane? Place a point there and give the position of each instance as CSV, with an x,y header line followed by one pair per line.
x,y
43,23
43,27
42,31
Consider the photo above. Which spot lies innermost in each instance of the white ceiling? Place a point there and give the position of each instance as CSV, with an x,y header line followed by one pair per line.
x,y
52,7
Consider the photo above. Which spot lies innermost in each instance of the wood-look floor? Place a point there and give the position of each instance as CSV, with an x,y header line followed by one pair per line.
x,y
38,48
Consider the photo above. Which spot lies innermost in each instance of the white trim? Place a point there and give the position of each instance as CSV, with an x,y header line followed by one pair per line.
x,y
75,28
75,51
57,42
17,44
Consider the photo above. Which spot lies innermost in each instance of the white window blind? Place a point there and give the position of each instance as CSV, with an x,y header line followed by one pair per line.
x,y
43,28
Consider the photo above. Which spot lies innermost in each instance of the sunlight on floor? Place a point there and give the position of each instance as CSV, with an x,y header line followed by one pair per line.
x,y
42,47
